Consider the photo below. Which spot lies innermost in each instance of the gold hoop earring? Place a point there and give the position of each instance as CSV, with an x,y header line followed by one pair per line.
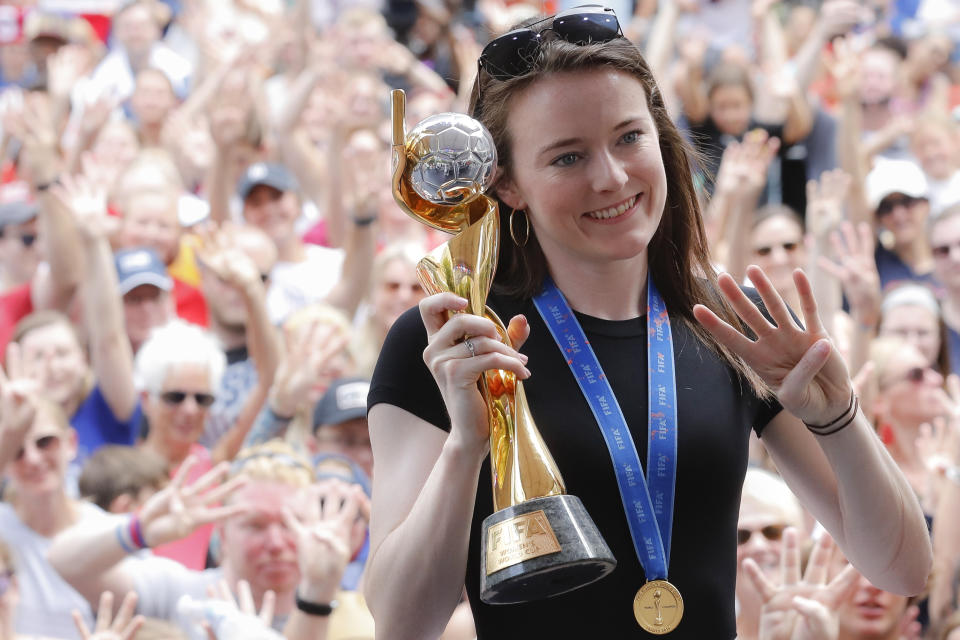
x,y
526,235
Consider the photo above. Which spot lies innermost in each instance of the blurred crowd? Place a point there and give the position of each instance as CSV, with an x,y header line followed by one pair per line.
x,y
200,258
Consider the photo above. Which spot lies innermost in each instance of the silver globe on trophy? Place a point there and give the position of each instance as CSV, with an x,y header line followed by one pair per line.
x,y
539,542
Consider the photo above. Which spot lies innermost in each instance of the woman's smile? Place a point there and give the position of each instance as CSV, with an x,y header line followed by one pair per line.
x,y
616,212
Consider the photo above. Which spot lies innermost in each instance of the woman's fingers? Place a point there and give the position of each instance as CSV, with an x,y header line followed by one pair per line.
x,y
518,331
808,304
267,607
793,389
725,334
775,305
744,306
104,611
435,310
462,325
842,586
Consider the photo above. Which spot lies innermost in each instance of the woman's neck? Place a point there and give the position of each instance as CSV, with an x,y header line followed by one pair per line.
x,y
172,452
47,514
608,290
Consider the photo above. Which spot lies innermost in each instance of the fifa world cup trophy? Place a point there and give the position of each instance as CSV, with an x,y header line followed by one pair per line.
x,y
539,541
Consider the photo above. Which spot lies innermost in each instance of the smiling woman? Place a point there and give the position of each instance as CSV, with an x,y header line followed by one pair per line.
x,y
608,249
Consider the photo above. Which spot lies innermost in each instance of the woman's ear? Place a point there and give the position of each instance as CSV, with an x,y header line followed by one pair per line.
x,y
506,190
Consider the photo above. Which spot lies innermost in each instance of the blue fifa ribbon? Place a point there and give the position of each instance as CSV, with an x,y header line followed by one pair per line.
x,y
649,512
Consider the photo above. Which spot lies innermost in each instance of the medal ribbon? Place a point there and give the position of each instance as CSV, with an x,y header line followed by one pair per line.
x,y
649,512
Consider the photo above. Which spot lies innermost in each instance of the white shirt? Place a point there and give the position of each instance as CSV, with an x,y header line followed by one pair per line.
x,y
46,600
294,285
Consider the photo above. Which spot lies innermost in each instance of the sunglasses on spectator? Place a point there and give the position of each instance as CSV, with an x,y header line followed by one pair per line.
x,y
772,532
397,286
943,250
789,247
6,579
515,52
888,204
43,443
177,397
916,375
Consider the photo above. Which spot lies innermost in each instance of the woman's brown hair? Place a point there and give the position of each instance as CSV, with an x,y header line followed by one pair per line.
x,y
678,255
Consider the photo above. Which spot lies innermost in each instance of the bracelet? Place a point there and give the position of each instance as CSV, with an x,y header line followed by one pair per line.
x,y
315,608
842,422
833,422
122,538
136,533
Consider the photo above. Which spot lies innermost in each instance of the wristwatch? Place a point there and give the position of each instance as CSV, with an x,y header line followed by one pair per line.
x,y
315,608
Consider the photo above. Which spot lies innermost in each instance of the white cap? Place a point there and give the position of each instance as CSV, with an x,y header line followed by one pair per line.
x,y
895,176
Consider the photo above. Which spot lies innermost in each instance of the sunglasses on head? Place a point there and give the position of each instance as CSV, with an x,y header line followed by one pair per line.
x,y
789,247
177,397
43,443
771,532
515,52
888,204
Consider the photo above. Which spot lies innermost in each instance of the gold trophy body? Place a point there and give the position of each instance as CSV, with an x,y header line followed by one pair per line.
x,y
539,541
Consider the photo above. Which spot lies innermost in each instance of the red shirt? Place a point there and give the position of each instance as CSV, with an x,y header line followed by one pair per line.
x,y
14,305
191,305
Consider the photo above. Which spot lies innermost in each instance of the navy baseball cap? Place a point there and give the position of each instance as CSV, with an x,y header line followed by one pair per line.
x,y
346,399
266,173
141,266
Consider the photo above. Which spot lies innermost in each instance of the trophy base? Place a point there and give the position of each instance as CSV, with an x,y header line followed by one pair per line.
x,y
540,548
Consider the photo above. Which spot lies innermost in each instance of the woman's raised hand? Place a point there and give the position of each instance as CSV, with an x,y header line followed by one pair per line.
x,y
461,346
800,364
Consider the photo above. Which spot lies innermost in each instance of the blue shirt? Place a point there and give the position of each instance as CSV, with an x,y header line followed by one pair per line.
x,y
96,426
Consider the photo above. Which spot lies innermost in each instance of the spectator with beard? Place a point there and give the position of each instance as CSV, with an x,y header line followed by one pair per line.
x,y
235,267
274,536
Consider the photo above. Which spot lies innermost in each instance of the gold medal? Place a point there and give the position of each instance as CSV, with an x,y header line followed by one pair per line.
x,y
658,607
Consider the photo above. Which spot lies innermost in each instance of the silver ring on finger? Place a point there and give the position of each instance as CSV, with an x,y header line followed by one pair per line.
x,y
470,347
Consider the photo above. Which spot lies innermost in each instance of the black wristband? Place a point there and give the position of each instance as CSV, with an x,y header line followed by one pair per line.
x,y
46,185
818,427
315,608
840,423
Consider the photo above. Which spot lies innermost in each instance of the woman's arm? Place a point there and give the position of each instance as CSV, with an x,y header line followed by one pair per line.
x,y
846,479
426,481
424,489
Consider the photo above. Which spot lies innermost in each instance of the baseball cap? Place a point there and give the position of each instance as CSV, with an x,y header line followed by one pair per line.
x,y
267,173
895,176
16,204
140,266
346,399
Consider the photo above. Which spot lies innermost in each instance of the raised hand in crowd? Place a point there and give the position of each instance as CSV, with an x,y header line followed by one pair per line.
x,y
802,607
224,616
854,268
306,365
17,408
86,200
740,180
122,626
178,509
228,262
329,527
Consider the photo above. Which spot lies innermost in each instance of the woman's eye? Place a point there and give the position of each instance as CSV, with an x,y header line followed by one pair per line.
x,y
565,160
632,136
